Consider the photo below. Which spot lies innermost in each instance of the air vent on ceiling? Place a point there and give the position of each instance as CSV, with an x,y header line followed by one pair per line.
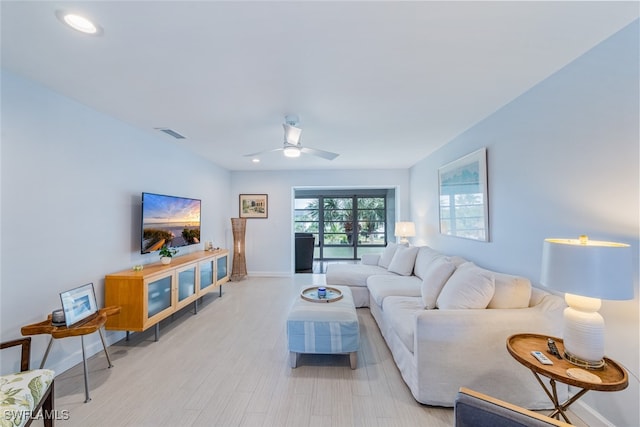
x,y
171,132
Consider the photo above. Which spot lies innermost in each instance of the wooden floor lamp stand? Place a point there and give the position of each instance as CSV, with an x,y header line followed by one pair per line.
x,y
239,269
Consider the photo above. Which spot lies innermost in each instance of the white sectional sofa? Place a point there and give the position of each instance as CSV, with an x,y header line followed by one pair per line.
x,y
446,322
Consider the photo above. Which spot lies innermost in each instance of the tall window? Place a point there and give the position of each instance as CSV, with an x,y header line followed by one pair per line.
x,y
344,227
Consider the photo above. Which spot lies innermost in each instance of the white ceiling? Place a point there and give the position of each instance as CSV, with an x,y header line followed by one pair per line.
x,y
382,83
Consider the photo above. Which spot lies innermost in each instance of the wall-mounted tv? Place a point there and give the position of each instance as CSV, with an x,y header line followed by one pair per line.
x,y
169,220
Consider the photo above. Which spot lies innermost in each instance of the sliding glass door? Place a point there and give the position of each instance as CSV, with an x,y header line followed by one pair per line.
x,y
344,227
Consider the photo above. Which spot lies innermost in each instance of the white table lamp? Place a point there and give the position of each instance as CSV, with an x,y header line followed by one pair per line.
x,y
586,271
405,229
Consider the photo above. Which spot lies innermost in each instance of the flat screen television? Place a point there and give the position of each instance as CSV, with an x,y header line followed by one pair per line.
x,y
169,220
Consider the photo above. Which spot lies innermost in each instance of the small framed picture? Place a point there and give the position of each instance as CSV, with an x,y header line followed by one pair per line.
x,y
253,206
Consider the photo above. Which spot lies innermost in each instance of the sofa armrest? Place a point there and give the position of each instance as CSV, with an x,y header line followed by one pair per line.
x,y
369,259
453,343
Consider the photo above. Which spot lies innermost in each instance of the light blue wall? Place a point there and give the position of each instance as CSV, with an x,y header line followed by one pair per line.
x,y
563,160
71,185
269,242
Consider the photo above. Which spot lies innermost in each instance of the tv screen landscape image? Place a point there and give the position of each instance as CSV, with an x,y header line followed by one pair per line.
x,y
169,220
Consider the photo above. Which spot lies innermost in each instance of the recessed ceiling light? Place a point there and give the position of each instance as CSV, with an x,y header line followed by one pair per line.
x,y
256,160
78,23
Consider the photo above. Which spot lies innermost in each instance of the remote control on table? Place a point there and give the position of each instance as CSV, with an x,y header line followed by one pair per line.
x,y
553,349
542,358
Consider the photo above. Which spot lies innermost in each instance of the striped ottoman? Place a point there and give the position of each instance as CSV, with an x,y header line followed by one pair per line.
x,y
324,328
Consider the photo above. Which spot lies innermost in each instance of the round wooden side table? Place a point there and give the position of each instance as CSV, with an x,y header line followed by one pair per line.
x,y
612,377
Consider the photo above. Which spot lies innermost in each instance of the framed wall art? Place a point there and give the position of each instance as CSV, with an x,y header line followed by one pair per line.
x,y
464,209
253,205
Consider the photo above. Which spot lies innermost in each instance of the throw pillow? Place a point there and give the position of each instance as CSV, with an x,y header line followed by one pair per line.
x,y
468,287
387,255
425,257
511,292
435,276
403,260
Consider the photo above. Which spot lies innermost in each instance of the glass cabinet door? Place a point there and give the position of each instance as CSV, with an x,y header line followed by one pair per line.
x,y
206,274
186,283
159,295
221,267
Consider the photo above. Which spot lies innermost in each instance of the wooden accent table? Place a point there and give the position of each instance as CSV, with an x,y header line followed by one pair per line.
x,y
612,377
90,326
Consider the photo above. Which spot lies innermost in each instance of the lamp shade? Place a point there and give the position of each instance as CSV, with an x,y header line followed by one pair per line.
x,y
405,229
588,268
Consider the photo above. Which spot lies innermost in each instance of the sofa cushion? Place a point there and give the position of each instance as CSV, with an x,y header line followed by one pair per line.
x,y
457,260
401,313
424,258
403,260
387,255
370,259
434,279
468,287
352,274
511,292
381,287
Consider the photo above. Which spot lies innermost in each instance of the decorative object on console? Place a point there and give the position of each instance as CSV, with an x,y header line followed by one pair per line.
x,y
253,206
405,229
464,211
586,271
239,269
166,253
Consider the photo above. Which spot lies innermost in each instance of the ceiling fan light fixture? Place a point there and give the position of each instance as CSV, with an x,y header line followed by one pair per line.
x,y
291,134
292,152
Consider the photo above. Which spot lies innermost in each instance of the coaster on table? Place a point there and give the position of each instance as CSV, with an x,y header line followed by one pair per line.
x,y
582,375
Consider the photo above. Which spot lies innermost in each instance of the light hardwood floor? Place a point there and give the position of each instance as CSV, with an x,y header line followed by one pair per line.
x,y
228,366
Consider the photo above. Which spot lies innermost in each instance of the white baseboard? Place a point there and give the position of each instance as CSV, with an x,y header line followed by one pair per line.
x,y
91,348
269,273
590,416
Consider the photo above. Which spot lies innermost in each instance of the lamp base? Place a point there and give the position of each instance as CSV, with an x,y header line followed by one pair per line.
x,y
583,332
586,364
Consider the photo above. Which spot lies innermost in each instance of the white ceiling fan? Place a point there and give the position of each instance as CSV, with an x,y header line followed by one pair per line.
x,y
292,146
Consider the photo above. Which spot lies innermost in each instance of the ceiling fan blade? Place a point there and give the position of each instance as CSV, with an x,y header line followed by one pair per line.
x,y
262,152
320,153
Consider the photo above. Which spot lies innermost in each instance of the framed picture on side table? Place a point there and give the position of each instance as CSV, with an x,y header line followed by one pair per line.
x,y
253,206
